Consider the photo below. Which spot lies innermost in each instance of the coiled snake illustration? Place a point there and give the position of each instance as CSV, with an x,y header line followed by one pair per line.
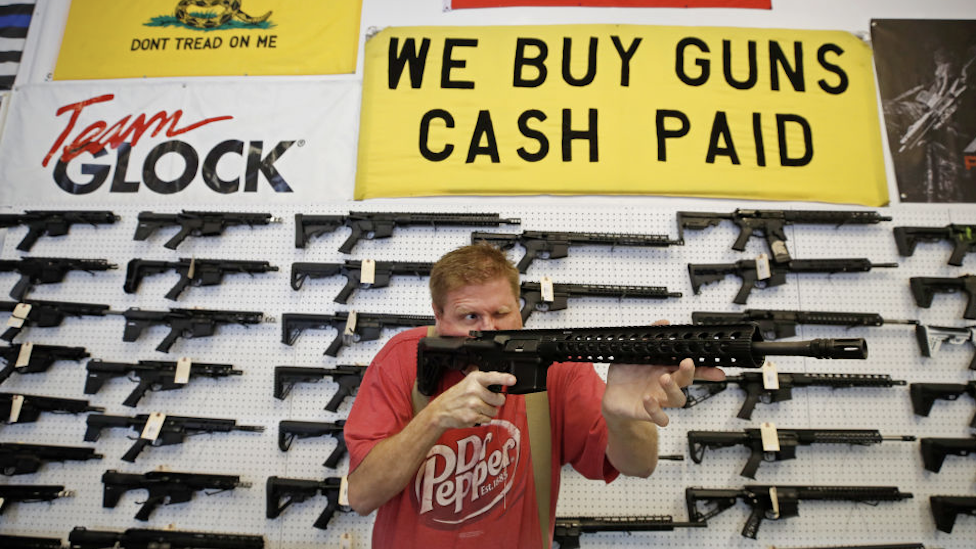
x,y
232,9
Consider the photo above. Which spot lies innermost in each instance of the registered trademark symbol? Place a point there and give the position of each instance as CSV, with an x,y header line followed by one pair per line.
x,y
301,142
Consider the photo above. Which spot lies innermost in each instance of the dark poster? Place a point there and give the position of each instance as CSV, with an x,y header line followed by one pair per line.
x,y
927,77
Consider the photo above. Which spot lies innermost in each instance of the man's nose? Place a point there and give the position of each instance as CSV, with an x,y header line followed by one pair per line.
x,y
486,324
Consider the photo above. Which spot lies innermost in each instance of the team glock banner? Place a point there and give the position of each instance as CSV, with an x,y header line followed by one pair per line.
x,y
764,4
111,39
162,143
620,109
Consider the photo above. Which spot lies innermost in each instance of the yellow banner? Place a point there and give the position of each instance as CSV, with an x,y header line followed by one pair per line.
x,y
133,39
620,109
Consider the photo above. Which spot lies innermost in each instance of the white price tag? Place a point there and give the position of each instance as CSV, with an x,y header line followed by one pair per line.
x,y
770,377
762,267
23,358
193,268
367,273
345,540
16,403
547,293
774,499
770,437
344,492
153,425
350,329
19,315
182,376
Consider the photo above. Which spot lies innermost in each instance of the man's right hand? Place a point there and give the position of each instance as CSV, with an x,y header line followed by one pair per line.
x,y
470,402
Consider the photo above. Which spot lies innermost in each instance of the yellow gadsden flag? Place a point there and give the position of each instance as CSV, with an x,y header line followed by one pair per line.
x,y
112,39
620,109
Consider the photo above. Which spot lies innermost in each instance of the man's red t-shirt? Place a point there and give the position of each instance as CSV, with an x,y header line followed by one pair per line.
x,y
475,487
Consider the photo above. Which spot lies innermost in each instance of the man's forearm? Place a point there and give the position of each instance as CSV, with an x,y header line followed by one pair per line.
x,y
632,446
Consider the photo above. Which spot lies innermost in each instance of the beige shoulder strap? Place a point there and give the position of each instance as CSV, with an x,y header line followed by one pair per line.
x,y
540,446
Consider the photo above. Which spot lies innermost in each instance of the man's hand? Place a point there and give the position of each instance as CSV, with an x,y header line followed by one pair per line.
x,y
470,402
641,392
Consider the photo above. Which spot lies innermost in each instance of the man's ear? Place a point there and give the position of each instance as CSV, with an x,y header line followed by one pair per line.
x,y
438,311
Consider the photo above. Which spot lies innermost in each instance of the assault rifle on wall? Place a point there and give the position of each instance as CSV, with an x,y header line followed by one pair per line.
x,y
935,450
193,272
293,490
946,508
961,236
289,430
48,270
555,245
771,224
347,377
924,289
359,274
527,354
188,323
197,224
372,225
931,338
786,442
781,324
163,430
30,358
141,538
757,390
44,314
539,296
153,375
352,326
779,502
53,222
925,394
24,459
749,271
569,529
18,408
164,487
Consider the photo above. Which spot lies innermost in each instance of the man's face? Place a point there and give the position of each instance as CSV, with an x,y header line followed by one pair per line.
x,y
489,306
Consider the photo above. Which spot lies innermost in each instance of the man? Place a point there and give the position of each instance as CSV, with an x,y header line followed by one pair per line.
x,y
454,470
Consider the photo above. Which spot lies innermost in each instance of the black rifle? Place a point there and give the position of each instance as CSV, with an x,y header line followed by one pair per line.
x,y
352,269
164,487
192,271
347,377
30,493
924,289
752,384
568,529
31,406
197,223
45,314
527,354
935,450
294,490
747,270
174,429
781,324
532,295
29,542
961,236
945,509
289,430
924,395
555,245
140,538
779,502
188,323
153,375
53,223
771,223
24,459
371,225
351,326
883,546
789,439
28,358
48,270
931,338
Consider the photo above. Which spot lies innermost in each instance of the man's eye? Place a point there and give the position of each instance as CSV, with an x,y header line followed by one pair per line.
x,y
471,316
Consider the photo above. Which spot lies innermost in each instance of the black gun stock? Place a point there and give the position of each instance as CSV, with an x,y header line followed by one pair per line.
x,y
756,391
527,354
946,508
164,487
23,459
935,450
533,300
141,538
53,222
925,394
567,530
924,289
289,430
293,490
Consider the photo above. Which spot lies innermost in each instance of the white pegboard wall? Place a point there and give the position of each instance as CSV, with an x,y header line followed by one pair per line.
x,y
257,349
